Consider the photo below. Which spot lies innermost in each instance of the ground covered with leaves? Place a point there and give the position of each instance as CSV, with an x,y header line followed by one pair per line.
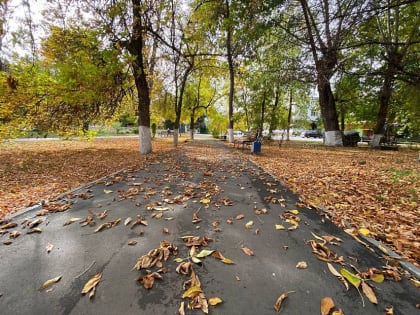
x,y
373,193
369,192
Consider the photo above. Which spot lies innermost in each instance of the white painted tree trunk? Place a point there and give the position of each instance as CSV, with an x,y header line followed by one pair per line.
x,y
333,138
176,134
230,135
145,140
376,140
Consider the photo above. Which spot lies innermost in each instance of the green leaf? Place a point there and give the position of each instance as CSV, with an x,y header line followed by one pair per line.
x,y
350,277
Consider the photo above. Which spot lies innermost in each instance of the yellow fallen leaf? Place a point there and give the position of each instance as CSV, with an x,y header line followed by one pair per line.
x,y
91,284
249,224
228,261
279,227
327,304
49,283
364,231
215,300
107,191
339,312
294,211
377,277
205,201
368,291
192,292
204,253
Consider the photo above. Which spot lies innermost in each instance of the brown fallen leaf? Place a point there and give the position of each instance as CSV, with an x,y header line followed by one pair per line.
x,y
49,283
249,225
195,219
229,221
389,310
132,242
7,242
165,231
70,221
148,280
14,234
247,251
127,221
370,294
8,225
90,286
327,304
280,300
240,216
34,230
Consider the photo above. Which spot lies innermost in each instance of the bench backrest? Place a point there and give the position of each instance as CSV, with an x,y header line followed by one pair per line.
x,y
250,135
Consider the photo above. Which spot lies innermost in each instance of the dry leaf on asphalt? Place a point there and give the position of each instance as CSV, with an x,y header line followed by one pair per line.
x,y
240,216
90,286
327,304
389,310
338,275
71,220
247,251
368,291
280,300
352,278
148,280
215,300
182,308
302,265
249,224
49,283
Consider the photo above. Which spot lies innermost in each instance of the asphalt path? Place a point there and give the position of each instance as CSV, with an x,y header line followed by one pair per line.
x,y
203,189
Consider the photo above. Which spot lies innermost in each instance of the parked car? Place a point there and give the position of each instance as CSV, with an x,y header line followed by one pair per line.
x,y
312,134
237,133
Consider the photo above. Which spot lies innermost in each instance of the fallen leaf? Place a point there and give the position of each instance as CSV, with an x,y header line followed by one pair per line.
x,y
204,253
294,211
90,286
368,291
192,292
352,278
247,251
34,230
279,227
389,310
132,242
280,300
249,224
338,275
229,221
182,308
377,277
127,221
302,265
72,220
49,283
218,255
215,300
327,304
364,231
205,201
8,225
240,216
107,191
165,231
338,312
148,280
14,234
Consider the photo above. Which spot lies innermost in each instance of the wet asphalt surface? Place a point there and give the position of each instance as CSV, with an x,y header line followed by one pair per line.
x,y
218,184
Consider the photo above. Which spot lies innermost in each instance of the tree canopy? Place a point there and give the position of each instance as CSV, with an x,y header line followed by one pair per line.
x,y
242,64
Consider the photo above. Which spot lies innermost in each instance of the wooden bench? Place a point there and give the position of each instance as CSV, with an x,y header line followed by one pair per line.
x,y
247,139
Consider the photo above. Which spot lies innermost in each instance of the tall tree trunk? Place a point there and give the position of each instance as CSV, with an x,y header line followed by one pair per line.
x,y
192,118
384,100
289,116
274,112
262,114
329,114
229,51
135,48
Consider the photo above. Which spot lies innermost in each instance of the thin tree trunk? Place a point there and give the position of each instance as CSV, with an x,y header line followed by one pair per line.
x,y
289,116
229,51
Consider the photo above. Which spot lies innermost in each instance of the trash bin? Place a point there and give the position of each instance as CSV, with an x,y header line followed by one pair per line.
x,y
256,147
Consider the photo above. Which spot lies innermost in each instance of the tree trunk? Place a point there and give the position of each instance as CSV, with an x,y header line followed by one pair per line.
x,y
333,135
384,100
262,114
229,51
135,48
192,124
274,112
289,116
